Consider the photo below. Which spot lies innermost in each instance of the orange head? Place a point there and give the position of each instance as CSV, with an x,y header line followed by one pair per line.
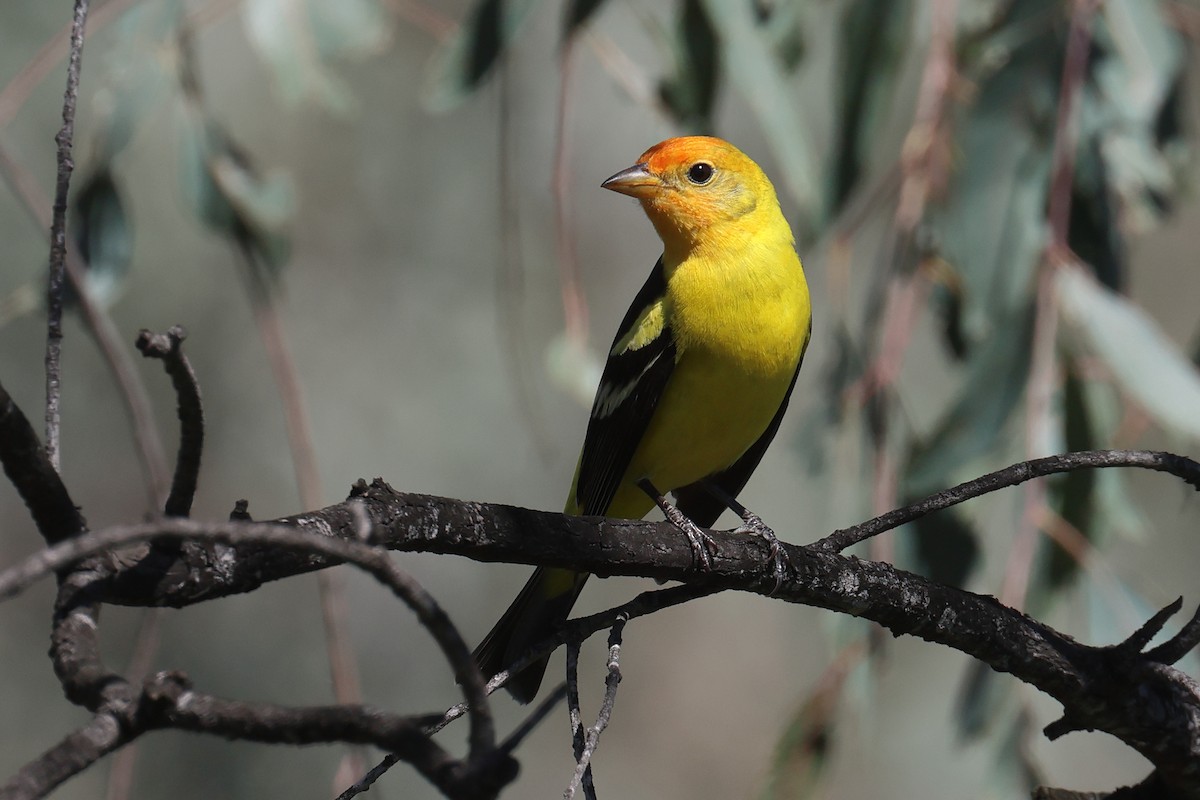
x,y
692,188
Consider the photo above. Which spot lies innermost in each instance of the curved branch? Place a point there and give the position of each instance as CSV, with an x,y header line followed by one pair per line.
x,y
168,348
1147,704
1181,467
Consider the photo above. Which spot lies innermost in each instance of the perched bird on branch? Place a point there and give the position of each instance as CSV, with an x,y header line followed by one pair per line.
x,y
698,376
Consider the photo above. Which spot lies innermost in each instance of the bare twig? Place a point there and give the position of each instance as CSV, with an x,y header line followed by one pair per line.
x,y
167,347
58,237
586,741
371,559
1180,644
21,87
1017,474
578,735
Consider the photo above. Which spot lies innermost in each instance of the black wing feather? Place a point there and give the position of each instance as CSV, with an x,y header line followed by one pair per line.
x,y
613,437
700,505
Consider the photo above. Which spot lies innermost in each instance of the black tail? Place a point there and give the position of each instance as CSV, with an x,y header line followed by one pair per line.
x,y
539,609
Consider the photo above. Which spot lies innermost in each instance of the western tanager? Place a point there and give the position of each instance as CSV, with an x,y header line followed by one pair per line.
x,y
697,378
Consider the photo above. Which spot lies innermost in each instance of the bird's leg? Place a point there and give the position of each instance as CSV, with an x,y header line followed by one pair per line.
x,y
703,546
752,523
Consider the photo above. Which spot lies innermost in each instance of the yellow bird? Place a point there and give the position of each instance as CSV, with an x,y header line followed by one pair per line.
x,y
698,376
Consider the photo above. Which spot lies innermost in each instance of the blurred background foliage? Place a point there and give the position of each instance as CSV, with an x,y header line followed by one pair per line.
x,y
1000,235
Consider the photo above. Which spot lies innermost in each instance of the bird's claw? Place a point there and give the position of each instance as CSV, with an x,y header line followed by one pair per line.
x,y
703,546
781,563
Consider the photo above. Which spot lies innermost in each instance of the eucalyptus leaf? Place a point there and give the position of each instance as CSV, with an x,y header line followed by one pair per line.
x,y
463,61
991,229
945,547
103,235
577,15
756,74
993,383
872,42
231,196
691,89
295,37
1071,495
1148,366
981,701
802,753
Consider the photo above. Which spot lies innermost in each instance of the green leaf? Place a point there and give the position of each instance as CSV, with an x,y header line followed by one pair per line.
x,y
1016,773
993,382
692,88
873,36
462,63
802,753
757,75
991,227
295,38
578,13
1145,363
133,76
945,547
1071,495
981,701
103,236
231,196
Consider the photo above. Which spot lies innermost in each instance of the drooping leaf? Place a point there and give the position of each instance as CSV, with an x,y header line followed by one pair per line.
x,y
945,546
1015,768
991,227
993,382
756,74
1093,232
297,38
133,77
231,196
464,60
577,14
783,28
981,700
1072,495
691,89
1149,367
103,236
802,752
872,39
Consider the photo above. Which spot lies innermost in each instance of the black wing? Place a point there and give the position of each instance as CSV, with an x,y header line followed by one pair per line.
x,y
630,388
700,505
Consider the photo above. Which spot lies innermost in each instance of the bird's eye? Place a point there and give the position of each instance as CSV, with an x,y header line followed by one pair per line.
x,y
700,173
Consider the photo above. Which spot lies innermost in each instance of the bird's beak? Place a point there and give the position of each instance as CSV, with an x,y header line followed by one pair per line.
x,y
636,181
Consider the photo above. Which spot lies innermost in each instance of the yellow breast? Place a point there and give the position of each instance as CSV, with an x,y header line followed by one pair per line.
x,y
738,346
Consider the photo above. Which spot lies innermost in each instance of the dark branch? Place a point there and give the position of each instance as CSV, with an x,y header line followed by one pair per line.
x,y
168,348
28,467
1180,645
1179,466
168,700
79,750
58,235
1147,704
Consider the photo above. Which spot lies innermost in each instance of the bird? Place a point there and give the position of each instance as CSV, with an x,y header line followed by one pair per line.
x,y
696,381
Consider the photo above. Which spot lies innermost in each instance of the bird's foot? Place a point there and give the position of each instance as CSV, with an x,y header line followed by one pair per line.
x,y
703,546
781,563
